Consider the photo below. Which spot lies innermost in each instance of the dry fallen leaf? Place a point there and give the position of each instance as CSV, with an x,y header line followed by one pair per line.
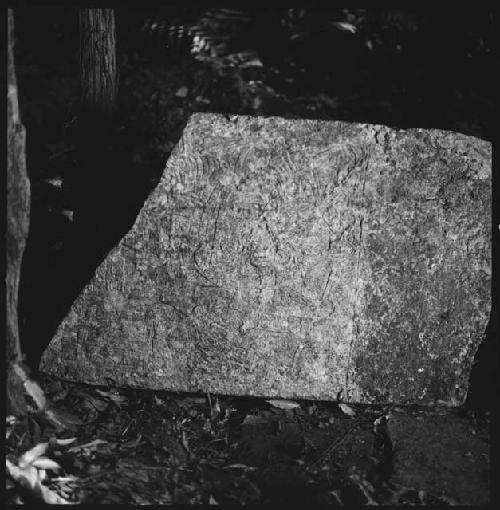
x,y
62,418
240,466
182,91
347,409
252,419
114,396
31,479
31,455
283,404
185,441
65,442
88,446
10,422
55,181
46,464
215,409
344,26
254,62
158,401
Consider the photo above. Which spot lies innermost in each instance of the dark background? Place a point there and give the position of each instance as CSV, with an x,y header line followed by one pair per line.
x,y
422,68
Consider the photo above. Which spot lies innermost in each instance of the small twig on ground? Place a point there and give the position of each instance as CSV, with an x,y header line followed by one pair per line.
x,y
209,402
331,448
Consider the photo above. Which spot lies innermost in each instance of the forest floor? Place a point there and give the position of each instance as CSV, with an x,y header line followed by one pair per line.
x,y
145,447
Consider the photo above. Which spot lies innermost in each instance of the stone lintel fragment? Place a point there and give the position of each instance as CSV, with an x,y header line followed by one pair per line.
x,y
296,259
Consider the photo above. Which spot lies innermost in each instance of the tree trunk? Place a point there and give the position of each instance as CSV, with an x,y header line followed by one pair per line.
x,y
98,58
98,80
93,182
18,209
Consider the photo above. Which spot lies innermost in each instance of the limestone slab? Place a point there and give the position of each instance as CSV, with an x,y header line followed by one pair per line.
x,y
295,259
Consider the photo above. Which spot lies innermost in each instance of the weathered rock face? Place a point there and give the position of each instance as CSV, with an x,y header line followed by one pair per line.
x,y
296,258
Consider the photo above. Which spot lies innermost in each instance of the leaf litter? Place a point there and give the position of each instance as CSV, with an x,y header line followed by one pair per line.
x,y
104,445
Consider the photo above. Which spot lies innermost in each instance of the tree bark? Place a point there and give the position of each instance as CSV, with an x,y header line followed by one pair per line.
x,y
98,81
18,211
92,182
98,58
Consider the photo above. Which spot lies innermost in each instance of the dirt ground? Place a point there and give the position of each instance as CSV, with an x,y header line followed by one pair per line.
x,y
144,447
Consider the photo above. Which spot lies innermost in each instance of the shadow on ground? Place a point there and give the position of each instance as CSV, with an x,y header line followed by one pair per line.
x,y
144,447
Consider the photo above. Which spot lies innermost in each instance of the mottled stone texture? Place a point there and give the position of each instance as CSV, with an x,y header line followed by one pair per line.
x,y
296,258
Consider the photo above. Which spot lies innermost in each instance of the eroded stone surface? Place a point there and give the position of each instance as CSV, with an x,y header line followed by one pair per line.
x,y
296,258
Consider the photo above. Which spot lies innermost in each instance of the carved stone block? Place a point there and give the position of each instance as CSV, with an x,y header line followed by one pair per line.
x,y
296,258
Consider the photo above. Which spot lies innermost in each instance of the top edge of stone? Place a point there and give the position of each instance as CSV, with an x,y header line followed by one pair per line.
x,y
195,117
